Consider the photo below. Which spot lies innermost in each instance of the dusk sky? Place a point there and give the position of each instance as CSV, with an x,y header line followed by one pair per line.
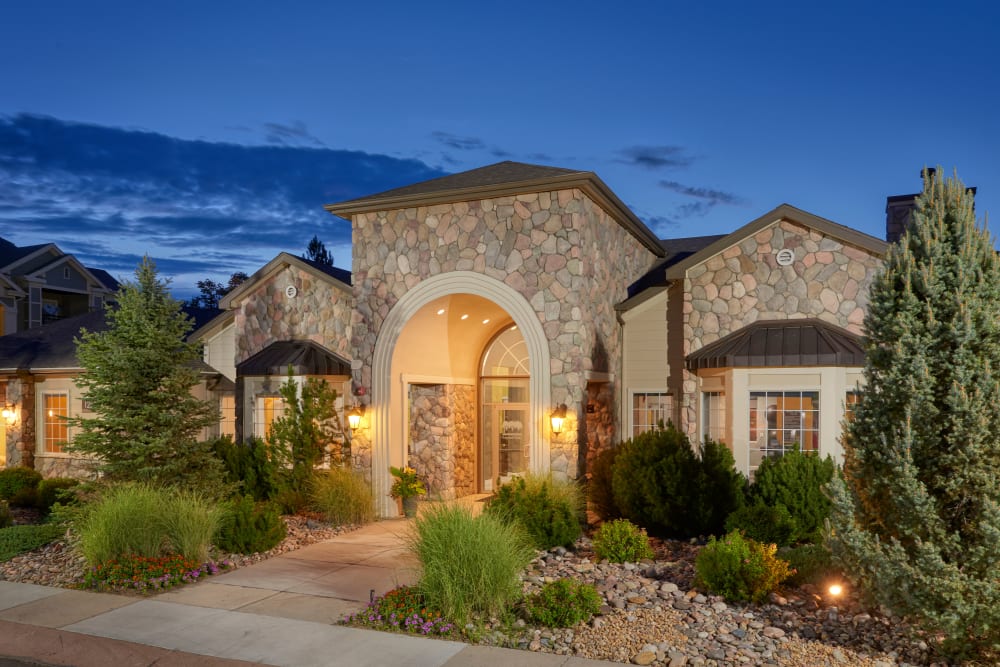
x,y
209,135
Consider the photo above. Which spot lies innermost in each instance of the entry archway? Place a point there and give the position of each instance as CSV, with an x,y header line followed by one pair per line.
x,y
387,399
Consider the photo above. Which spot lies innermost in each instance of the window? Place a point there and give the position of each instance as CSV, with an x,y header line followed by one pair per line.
x,y
227,415
649,409
781,421
713,415
850,403
56,430
269,408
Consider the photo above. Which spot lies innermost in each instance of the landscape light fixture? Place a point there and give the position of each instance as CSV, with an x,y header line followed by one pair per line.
x,y
558,417
9,413
354,418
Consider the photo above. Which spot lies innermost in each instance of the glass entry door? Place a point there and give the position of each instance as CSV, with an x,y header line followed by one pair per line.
x,y
503,432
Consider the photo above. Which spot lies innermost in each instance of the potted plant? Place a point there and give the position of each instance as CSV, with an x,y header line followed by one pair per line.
x,y
407,486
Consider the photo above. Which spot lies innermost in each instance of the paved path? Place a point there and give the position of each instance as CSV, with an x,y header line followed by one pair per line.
x,y
278,612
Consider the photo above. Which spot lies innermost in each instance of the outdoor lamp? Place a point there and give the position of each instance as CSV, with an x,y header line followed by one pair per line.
x,y
558,417
9,413
354,418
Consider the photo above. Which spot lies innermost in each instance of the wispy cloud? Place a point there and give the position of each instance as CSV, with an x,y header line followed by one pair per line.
x,y
708,194
457,142
655,157
200,208
290,135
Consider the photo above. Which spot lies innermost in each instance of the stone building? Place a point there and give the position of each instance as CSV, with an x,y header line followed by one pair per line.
x,y
483,305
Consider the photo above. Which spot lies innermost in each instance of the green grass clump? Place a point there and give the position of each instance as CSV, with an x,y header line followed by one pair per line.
x,y
549,510
147,521
19,539
342,496
470,564
563,603
621,541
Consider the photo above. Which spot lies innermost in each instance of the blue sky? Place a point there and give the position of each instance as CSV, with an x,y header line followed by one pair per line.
x,y
210,134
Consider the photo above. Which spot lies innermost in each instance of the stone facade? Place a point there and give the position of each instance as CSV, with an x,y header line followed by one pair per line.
x,y
442,438
827,279
600,422
319,312
569,259
21,435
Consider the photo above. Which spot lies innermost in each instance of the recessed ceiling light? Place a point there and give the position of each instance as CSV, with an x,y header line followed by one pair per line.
x,y
441,312
486,321
513,327
465,317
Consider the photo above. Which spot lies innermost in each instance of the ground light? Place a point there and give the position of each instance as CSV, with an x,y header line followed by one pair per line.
x,y
835,590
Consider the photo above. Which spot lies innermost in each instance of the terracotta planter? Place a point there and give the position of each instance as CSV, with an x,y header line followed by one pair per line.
x,y
410,507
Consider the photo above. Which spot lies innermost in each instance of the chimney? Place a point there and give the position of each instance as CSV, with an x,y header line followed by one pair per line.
x,y
899,209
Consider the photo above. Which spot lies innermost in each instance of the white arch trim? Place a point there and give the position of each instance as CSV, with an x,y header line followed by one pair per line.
x,y
435,287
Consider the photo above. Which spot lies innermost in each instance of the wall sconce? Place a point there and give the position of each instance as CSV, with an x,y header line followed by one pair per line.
x,y
9,413
354,418
558,417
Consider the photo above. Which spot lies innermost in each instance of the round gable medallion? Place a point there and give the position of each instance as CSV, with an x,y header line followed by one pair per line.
x,y
784,257
291,291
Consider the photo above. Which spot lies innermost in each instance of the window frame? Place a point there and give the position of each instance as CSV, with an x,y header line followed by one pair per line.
x,y
632,409
54,421
766,393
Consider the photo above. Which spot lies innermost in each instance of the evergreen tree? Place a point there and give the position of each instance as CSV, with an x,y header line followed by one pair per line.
x,y
138,375
917,517
309,430
317,252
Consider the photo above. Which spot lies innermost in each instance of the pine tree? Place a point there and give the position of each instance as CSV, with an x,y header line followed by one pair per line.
x,y
138,375
309,430
917,518
317,252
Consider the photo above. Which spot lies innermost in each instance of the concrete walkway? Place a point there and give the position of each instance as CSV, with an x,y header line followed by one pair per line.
x,y
278,612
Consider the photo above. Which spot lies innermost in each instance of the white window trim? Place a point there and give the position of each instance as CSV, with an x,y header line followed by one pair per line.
x,y
630,410
40,424
784,389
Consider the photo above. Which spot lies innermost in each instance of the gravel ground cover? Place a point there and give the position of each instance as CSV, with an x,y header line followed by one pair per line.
x,y
652,615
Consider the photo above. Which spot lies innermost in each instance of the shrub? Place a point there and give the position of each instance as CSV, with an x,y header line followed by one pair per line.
x,y
811,564
247,463
19,539
6,518
470,565
342,496
600,491
563,603
250,527
402,609
548,510
621,541
659,483
20,480
796,480
740,569
763,523
56,489
141,520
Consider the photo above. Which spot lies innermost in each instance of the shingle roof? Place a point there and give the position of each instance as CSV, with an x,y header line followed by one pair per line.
x,y
494,174
10,253
501,180
53,345
342,275
774,343
106,278
677,250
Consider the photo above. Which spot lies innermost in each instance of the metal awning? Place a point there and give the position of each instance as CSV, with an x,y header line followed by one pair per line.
x,y
776,343
304,356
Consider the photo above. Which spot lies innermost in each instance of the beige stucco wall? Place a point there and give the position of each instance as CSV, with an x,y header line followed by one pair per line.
x,y
220,350
565,255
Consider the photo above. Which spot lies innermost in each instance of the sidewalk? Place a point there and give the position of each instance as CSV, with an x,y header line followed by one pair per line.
x,y
278,612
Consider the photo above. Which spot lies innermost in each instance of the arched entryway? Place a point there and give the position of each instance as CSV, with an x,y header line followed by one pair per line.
x,y
436,352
